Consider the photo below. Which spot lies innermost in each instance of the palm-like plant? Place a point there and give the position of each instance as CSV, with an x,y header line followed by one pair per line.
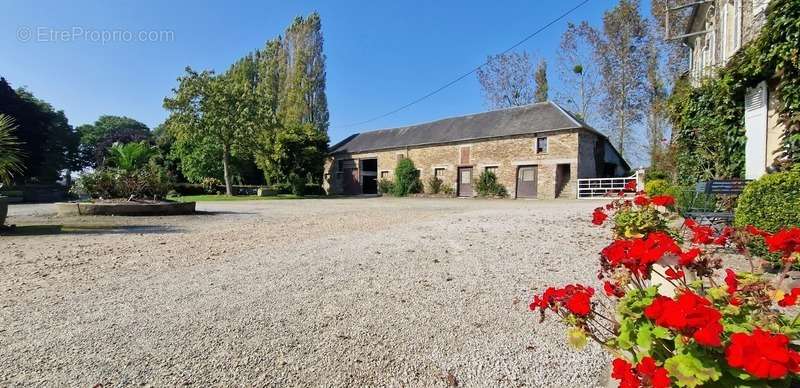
x,y
130,156
10,154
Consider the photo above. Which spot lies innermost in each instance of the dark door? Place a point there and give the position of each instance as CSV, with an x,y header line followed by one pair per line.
x,y
350,175
369,176
465,181
526,181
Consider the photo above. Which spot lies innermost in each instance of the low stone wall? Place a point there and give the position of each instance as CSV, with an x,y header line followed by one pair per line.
x,y
124,209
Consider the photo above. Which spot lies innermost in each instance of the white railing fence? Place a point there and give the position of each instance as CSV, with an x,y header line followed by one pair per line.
x,y
595,188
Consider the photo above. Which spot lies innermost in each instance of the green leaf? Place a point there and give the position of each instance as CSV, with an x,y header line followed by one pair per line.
x,y
689,371
644,339
661,333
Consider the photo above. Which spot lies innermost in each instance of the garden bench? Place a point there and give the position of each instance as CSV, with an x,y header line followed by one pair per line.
x,y
713,201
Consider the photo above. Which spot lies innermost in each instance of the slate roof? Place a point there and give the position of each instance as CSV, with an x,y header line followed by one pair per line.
x,y
523,120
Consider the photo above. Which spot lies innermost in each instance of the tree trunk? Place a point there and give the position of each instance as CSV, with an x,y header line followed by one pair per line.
x,y
225,167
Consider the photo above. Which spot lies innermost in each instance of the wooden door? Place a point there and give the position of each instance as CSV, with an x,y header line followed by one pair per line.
x,y
526,181
465,181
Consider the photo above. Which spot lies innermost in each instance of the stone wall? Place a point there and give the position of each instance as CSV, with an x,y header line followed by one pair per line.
x,y
507,154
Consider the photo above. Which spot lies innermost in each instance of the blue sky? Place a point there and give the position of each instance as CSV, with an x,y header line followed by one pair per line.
x,y
381,54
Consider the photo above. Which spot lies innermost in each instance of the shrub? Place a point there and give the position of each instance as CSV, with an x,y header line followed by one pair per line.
x,y
771,202
448,190
657,187
130,156
313,189
282,188
406,179
386,186
190,189
151,181
297,184
488,186
435,185
210,184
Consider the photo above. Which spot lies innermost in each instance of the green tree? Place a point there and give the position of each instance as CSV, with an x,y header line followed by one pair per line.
x,y
541,82
621,54
292,134
47,142
217,108
97,138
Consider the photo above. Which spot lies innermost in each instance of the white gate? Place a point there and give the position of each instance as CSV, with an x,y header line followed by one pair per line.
x,y
589,188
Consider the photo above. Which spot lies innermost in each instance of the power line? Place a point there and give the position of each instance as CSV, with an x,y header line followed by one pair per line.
x,y
465,75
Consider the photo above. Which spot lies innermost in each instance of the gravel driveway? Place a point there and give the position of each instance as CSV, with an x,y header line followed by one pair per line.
x,y
329,292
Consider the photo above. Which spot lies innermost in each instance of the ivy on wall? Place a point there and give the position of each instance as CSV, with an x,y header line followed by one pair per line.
x,y
708,120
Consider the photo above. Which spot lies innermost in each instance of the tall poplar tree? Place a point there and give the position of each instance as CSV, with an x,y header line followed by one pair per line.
x,y
578,71
621,54
541,82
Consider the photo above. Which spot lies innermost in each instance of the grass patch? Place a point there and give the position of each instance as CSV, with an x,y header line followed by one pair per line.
x,y
212,197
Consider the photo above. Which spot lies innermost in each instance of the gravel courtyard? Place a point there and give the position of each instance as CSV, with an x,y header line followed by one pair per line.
x,y
328,292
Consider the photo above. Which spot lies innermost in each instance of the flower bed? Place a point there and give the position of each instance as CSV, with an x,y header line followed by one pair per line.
x,y
670,314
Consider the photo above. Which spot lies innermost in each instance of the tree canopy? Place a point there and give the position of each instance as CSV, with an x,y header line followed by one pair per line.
x,y
48,143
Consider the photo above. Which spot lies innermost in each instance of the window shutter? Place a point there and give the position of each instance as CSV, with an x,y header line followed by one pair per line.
x,y
755,126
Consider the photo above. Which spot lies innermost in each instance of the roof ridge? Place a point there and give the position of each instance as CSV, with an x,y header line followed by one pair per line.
x,y
458,117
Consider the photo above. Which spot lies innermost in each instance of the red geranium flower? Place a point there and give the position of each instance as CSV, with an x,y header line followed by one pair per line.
x,y
702,234
575,298
731,281
762,354
641,200
646,373
673,274
638,254
756,231
599,216
690,314
687,258
790,299
630,186
663,200
786,241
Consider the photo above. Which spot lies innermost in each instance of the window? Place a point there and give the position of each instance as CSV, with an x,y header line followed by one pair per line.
x,y
491,169
384,174
438,172
400,157
541,145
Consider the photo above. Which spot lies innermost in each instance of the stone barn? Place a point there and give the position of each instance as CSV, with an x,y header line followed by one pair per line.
x,y
536,151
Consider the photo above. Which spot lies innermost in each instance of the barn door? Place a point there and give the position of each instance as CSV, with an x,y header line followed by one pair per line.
x,y
755,126
526,182
465,182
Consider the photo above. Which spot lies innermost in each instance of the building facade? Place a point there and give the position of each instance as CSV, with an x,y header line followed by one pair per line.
x,y
536,151
717,30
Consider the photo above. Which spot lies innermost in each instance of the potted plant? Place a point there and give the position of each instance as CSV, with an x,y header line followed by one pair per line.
x,y
672,312
10,160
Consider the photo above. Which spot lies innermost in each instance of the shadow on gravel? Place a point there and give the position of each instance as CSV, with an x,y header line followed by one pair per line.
x,y
43,230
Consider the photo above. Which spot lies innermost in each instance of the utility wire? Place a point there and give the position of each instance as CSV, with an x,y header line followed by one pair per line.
x,y
465,75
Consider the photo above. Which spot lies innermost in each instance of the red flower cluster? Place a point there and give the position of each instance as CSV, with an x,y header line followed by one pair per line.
x,y
790,299
646,373
704,234
690,314
630,186
638,254
663,200
786,241
575,298
762,354
641,200
599,216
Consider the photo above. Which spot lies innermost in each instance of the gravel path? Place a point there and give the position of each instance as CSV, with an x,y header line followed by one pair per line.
x,y
331,292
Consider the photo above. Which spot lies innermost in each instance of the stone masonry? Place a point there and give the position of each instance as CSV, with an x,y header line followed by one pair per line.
x,y
573,147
